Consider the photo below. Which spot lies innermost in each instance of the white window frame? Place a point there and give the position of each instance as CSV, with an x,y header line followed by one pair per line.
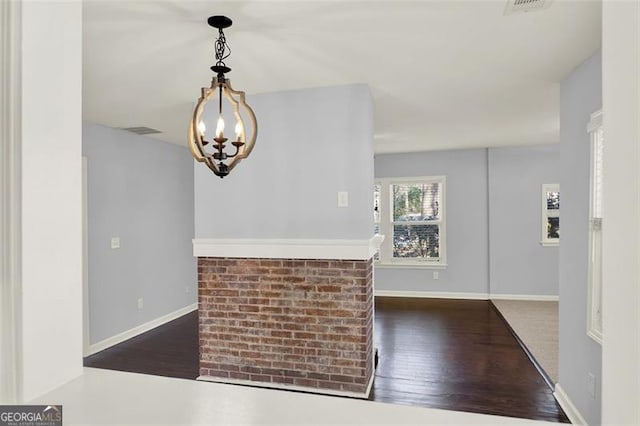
x,y
544,238
386,259
594,307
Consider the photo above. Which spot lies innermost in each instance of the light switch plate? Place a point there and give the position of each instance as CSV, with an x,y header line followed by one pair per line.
x,y
115,242
343,199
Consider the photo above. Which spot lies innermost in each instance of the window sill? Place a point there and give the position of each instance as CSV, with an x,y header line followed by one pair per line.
x,y
398,265
550,243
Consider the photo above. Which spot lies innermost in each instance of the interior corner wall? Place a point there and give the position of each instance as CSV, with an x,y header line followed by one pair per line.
x,y
519,263
140,190
51,195
466,221
580,95
311,144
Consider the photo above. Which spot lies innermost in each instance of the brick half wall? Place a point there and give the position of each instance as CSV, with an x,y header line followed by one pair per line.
x,y
287,323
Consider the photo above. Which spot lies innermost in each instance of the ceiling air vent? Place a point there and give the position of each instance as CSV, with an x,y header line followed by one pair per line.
x,y
141,130
518,6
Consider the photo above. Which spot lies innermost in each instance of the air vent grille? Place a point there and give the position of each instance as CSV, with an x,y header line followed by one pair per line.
x,y
141,130
518,6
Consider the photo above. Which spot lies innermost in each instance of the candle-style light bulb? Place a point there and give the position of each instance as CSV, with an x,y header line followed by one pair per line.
x,y
220,128
239,131
202,128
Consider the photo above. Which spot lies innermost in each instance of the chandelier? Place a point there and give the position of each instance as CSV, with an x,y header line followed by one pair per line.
x,y
213,151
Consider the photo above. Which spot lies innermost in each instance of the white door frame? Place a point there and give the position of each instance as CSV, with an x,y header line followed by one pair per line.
x,y
10,207
86,330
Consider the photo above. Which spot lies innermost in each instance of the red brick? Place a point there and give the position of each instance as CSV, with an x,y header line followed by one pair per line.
x,y
250,369
347,387
218,373
341,378
317,264
328,288
293,326
285,365
350,371
289,321
304,335
283,380
260,378
329,272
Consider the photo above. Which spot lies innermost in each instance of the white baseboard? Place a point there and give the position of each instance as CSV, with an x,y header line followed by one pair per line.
x,y
431,294
285,386
529,297
142,328
570,410
458,295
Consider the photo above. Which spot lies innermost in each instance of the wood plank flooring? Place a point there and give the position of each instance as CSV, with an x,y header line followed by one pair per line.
x,y
456,355
450,354
170,350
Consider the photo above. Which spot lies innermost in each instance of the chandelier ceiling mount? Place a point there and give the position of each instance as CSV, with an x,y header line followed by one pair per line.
x,y
215,156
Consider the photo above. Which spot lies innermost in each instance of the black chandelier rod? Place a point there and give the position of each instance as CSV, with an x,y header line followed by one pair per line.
x,y
222,49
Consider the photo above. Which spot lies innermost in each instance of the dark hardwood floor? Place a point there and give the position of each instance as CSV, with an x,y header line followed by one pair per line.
x,y
170,350
456,355
449,354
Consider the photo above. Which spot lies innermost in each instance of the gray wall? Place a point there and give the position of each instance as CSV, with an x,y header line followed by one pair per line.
x,y
493,221
466,221
140,190
311,144
580,95
519,264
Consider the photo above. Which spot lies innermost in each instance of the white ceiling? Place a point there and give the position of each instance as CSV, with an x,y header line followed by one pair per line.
x,y
444,74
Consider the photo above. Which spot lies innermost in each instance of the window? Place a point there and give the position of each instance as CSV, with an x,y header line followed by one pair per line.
x,y
411,214
594,309
550,214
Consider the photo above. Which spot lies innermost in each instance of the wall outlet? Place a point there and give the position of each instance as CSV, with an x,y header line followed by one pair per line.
x,y
591,385
186,289
140,303
436,275
343,199
115,242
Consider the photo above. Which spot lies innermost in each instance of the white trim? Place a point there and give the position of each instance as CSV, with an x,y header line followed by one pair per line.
x,y
550,243
431,294
11,212
545,240
285,386
143,328
86,329
288,248
386,223
595,121
594,270
415,265
570,410
529,297
595,335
